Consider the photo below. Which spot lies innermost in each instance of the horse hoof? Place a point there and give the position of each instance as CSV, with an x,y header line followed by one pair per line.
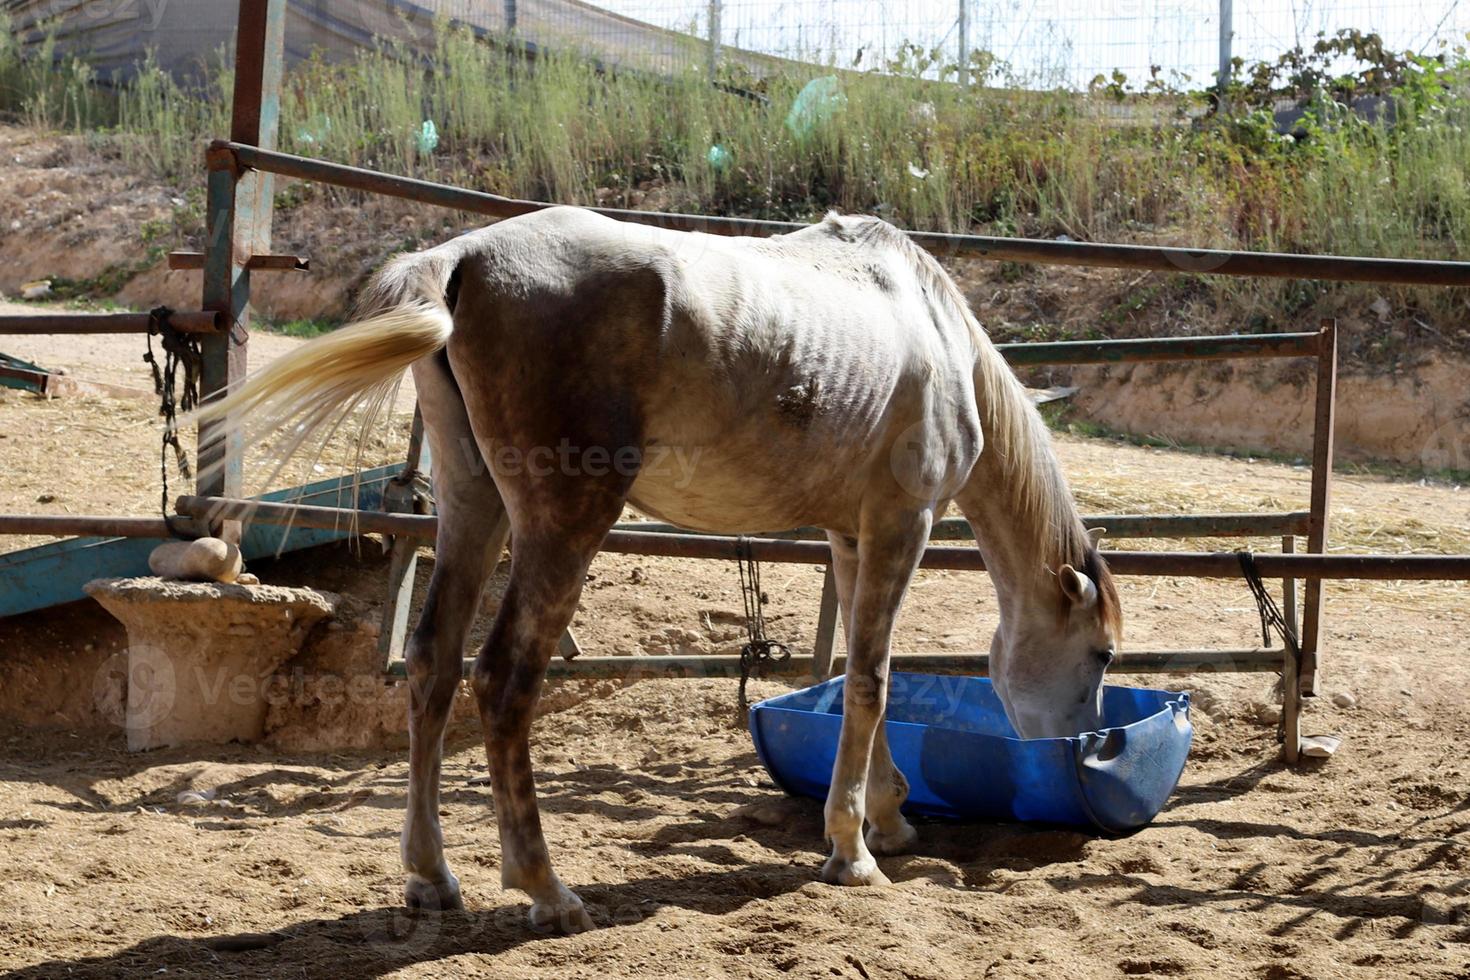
x,y
421,894
864,871
900,841
566,916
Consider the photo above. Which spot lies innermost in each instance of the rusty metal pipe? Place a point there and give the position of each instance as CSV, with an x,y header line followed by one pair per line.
x,y
1116,525
726,665
1132,350
72,323
1144,257
73,525
656,544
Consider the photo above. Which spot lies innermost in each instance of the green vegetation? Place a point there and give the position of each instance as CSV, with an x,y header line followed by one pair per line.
x,y
305,329
1152,164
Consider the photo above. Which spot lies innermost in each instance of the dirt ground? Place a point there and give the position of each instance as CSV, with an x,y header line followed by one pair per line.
x,y
690,859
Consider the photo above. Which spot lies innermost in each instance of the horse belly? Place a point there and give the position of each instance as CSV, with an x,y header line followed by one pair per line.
x,y
709,490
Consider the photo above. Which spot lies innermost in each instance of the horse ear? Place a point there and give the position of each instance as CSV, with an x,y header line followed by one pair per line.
x,y
1080,590
1096,534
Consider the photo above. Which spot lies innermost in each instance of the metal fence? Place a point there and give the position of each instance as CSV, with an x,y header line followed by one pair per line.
x,y
1021,43
1037,43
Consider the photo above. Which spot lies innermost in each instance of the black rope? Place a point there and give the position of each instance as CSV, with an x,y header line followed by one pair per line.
x,y
1271,619
180,350
759,651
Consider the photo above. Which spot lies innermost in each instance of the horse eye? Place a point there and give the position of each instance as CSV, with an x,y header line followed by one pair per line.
x,y
1104,656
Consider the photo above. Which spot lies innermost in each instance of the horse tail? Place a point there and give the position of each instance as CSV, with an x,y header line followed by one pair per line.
x,y
405,315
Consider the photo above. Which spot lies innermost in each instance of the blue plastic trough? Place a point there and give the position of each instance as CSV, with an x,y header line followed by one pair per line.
x,y
950,738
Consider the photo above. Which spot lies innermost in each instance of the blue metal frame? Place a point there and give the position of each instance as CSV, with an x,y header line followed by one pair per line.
x,y
52,574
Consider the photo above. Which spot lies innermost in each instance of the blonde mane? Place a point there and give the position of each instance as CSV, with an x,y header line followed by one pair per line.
x,y
1014,430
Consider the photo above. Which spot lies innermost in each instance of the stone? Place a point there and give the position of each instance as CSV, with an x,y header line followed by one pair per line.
x,y
201,655
204,560
1344,700
765,813
1320,746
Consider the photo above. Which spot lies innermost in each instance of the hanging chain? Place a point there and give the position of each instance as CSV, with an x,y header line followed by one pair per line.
x,y
1271,619
759,651
180,350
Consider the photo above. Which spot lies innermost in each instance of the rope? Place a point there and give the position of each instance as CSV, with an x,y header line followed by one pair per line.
x,y
1271,619
179,350
759,651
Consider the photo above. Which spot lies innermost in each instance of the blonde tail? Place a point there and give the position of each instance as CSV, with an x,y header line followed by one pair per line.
x,y
309,392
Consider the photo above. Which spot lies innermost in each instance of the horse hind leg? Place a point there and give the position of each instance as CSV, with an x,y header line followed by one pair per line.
x,y
888,552
548,567
473,529
889,832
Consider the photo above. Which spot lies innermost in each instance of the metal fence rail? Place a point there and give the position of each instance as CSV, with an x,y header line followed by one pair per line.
x,y
240,158
663,544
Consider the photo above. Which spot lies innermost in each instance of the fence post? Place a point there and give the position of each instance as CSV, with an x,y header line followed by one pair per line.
x,y
239,226
1227,34
1291,690
963,30
510,16
714,37
826,643
1317,528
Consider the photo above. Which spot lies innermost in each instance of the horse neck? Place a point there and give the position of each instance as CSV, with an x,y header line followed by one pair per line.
x,y
1017,500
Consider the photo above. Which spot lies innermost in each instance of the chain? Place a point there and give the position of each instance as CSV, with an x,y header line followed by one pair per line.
x,y
179,351
759,651
1271,619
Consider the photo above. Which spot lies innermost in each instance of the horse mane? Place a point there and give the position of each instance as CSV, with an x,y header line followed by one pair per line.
x,y
1042,502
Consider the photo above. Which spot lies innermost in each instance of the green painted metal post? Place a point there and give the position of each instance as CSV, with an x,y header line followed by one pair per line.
x,y
240,206
400,497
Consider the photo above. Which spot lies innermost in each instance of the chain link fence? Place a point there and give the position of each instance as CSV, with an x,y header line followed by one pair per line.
x,y
1035,43
1017,43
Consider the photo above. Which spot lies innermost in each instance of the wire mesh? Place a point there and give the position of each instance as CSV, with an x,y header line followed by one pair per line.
x,y
1038,43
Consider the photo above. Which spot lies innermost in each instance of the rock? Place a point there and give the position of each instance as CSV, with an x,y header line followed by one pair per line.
x,y
1344,700
1268,714
247,578
204,560
764,813
195,797
1320,746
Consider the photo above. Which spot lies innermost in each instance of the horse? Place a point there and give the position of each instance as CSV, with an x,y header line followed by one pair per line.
x,y
831,377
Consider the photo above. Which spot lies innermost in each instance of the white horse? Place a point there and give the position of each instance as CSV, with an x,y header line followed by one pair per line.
x,y
830,377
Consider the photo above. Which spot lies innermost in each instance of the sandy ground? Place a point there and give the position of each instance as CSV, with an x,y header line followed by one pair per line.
x,y
694,864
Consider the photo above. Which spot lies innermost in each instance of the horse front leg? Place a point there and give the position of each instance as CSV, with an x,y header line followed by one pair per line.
x,y
473,528
889,832
888,552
